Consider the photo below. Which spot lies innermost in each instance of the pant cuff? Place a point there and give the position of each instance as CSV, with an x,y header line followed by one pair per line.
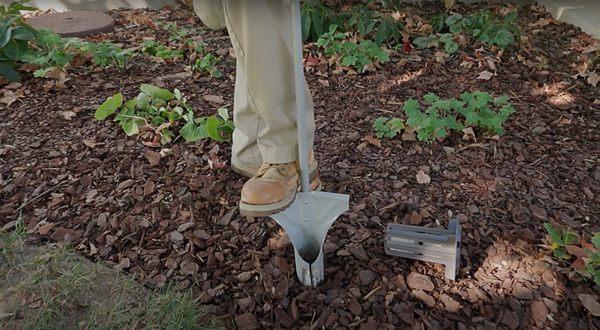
x,y
279,155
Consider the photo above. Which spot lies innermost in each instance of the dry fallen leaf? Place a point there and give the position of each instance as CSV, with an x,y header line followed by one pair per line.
x,y
90,143
153,157
423,178
10,97
542,22
214,99
69,115
590,303
372,140
469,134
593,78
485,75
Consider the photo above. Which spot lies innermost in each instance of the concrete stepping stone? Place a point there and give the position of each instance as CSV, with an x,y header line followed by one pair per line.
x,y
76,23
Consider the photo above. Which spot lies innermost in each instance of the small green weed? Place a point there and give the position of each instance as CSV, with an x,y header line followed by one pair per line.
x,y
156,111
106,53
478,109
208,63
351,54
570,248
161,51
385,127
52,51
177,33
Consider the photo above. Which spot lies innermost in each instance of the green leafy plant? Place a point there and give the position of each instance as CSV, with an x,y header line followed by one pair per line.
x,y
385,127
436,122
477,109
351,54
161,51
433,40
177,33
317,19
15,36
157,112
208,63
571,249
482,26
106,53
52,51
381,27
482,110
559,241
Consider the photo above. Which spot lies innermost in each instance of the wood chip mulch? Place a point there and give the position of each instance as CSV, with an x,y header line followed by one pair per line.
x,y
170,215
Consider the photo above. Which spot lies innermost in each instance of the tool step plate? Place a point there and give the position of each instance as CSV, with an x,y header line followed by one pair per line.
x,y
437,245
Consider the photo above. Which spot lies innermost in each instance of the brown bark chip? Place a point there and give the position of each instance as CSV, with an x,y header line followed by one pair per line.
x,y
418,281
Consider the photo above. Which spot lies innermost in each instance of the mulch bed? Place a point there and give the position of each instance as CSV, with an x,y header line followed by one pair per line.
x,y
170,215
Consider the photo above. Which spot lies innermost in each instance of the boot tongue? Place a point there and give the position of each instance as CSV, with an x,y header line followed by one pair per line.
x,y
276,171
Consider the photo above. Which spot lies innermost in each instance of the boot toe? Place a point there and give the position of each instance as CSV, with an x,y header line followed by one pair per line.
x,y
262,192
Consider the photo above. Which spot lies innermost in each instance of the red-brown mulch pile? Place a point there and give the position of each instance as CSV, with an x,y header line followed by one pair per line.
x,y
171,215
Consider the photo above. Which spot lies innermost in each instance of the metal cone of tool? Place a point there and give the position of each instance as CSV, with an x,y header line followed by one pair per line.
x,y
310,216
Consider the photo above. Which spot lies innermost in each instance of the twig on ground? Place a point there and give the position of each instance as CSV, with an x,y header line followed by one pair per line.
x,y
40,195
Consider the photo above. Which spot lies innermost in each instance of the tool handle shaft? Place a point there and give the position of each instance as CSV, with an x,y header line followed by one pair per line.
x,y
300,95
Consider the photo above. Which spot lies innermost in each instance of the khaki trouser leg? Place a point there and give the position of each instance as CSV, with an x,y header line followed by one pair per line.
x,y
264,110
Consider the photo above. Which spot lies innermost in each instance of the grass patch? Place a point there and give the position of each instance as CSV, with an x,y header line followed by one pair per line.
x,y
51,287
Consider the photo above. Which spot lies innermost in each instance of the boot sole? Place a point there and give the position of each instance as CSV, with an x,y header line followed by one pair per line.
x,y
250,210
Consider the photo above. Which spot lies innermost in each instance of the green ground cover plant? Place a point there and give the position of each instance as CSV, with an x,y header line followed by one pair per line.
x,y
357,55
482,26
575,252
318,18
161,113
45,50
208,64
15,37
385,127
52,51
442,116
156,49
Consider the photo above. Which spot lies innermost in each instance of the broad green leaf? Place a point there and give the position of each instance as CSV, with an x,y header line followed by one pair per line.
x,y
130,127
306,24
451,47
22,33
212,128
8,72
109,107
504,38
192,132
510,18
5,34
156,92
166,137
555,235
570,237
425,42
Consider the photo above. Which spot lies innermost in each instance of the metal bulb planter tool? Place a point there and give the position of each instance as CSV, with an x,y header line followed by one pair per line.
x,y
312,213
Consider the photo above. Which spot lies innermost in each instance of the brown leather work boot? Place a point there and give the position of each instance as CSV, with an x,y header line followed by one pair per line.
x,y
272,189
250,170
